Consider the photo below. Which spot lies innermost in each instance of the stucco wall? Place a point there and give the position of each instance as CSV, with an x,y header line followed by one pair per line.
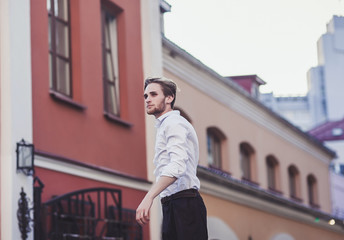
x,y
87,135
205,111
245,222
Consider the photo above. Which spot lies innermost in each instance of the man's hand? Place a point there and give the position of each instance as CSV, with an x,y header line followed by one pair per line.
x,y
142,212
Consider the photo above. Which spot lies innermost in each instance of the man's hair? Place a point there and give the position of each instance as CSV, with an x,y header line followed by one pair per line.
x,y
169,88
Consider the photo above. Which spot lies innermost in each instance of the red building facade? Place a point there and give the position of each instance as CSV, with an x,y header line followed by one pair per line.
x,y
87,81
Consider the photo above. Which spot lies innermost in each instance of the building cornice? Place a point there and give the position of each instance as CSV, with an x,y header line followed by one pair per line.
x,y
178,61
73,167
222,185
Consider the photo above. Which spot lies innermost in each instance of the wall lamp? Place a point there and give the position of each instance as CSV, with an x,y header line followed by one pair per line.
x,y
25,157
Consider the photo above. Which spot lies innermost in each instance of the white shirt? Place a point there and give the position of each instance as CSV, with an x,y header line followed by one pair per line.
x,y
176,152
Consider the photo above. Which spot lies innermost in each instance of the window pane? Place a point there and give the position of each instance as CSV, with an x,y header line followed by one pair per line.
x,y
109,67
62,39
311,184
271,164
271,176
61,9
310,193
292,186
110,53
62,75
245,164
210,151
107,34
114,47
117,96
49,33
112,100
217,152
292,182
214,150
341,169
49,5
50,71
59,57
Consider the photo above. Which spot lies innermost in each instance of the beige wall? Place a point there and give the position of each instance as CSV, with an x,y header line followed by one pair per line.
x,y
152,66
205,111
245,222
210,102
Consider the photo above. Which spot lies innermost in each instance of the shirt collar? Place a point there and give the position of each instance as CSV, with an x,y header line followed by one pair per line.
x,y
160,119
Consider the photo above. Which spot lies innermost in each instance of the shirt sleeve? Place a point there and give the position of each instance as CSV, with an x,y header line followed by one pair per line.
x,y
176,147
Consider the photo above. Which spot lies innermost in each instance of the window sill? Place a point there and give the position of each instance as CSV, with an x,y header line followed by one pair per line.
x,y
219,169
249,181
66,100
275,191
296,199
314,205
115,119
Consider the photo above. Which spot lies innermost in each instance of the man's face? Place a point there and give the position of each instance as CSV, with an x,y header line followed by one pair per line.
x,y
156,102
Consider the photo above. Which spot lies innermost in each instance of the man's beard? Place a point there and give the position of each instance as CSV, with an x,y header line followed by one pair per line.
x,y
157,110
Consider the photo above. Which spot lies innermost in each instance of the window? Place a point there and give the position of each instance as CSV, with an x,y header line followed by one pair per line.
x,y
312,190
246,160
214,145
110,63
59,46
341,169
272,165
293,174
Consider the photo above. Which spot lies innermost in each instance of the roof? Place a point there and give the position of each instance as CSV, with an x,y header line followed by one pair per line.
x,y
329,131
254,77
175,49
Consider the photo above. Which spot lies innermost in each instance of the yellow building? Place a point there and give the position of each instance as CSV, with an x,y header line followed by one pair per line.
x,y
261,177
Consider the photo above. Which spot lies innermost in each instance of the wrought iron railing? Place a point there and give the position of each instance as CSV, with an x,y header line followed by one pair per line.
x,y
93,214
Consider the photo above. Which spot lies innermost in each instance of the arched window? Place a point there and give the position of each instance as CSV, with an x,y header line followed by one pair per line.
x,y
272,172
215,140
294,182
246,160
312,190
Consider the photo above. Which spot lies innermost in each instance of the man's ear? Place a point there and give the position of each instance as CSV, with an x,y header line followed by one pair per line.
x,y
169,99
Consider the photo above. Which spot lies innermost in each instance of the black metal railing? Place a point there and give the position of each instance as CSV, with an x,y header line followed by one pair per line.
x,y
93,214
130,229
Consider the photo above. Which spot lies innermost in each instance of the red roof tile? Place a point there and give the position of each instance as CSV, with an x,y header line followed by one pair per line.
x,y
329,131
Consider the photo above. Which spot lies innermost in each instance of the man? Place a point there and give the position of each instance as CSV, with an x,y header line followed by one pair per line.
x,y
176,160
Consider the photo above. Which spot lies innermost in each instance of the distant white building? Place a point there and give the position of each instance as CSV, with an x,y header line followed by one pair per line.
x,y
296,109
325,96
321,111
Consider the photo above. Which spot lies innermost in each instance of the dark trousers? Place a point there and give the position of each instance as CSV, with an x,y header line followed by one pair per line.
x,y
184,216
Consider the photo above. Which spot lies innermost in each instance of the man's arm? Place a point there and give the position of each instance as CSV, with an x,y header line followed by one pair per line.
x,y
142,212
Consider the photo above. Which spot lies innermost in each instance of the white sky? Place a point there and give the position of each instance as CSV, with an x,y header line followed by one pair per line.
x,y
275,39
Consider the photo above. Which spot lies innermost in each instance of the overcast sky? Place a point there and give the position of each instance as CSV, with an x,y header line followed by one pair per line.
x,y
275,39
